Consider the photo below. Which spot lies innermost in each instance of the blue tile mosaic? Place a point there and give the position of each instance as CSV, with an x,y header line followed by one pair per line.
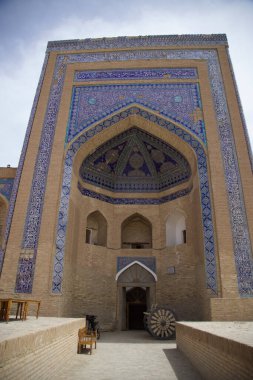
x,y
120,74
178,101
240,232
133,201
24,278
22,158
6,185
135,161
241,114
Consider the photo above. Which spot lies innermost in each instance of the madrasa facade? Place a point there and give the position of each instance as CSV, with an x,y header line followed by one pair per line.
x,y
134,185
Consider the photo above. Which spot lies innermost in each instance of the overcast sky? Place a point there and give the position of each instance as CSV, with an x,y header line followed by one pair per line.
x,y
27,25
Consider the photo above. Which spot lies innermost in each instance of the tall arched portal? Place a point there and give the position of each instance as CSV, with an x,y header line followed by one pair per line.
x,y
130,152
136,180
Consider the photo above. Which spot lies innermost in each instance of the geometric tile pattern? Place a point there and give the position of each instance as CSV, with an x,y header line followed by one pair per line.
x,y
134,161
128,74
240,232
139,42
19,172
178,101
133,201
6,185
24,278
208,231
245,130
123,261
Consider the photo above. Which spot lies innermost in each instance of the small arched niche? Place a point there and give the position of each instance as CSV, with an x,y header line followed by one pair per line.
x,y
96,229
175,229
3,211
136,232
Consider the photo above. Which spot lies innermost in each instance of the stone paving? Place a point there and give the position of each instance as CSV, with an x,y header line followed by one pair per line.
x,y
130,355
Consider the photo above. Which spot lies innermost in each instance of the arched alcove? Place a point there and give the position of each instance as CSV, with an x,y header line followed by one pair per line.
x,y
136,232
175,229
96,229
3,210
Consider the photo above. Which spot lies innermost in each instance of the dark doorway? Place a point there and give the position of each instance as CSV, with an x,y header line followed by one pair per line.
x,y
136,305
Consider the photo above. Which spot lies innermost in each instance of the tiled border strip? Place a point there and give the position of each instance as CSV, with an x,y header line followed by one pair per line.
x,y
22,159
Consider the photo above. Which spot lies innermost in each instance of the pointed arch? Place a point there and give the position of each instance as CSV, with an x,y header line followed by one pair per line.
x,y
151,120
175,228
136,232
96,229
136,262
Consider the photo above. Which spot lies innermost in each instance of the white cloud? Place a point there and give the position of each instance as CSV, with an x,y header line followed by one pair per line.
x,y
19,72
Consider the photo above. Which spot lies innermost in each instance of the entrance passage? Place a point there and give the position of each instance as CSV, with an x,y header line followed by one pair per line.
x,y
136,306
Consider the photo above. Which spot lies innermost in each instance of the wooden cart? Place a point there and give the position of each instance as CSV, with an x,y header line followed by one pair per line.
x,y
160,322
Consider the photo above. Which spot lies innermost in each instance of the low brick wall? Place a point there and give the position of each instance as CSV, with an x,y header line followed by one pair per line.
x,y
215,357
39,355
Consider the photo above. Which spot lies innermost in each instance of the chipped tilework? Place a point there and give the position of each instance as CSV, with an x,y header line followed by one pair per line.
x,y
123,261
133,201
6,185
208,231
178,101
242,246
128,74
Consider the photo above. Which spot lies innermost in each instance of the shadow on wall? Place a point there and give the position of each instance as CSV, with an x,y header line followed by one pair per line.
x,y
96,230
181,366
175,229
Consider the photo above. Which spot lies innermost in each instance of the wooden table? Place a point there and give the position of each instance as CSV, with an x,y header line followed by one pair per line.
x,y
22,308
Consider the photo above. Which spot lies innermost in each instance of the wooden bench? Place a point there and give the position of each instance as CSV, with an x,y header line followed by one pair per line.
x,y
86,338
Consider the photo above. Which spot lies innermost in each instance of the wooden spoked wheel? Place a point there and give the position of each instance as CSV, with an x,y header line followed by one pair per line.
x,y
161,323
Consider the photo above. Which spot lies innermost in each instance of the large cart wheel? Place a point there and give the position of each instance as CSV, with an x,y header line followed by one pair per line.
x,y
161,323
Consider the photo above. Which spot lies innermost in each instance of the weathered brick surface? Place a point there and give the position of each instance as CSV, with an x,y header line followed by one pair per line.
x,y
215,357
41,354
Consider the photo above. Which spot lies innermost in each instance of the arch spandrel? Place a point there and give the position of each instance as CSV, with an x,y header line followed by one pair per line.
x,y
82,146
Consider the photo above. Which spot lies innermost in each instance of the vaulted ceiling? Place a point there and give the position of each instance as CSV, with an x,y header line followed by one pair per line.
x,y
135,161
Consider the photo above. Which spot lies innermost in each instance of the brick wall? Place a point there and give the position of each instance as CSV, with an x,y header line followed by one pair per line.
x,y
39,355
215,357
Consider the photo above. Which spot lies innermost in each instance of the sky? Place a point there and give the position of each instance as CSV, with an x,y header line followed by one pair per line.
x,y
27,25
